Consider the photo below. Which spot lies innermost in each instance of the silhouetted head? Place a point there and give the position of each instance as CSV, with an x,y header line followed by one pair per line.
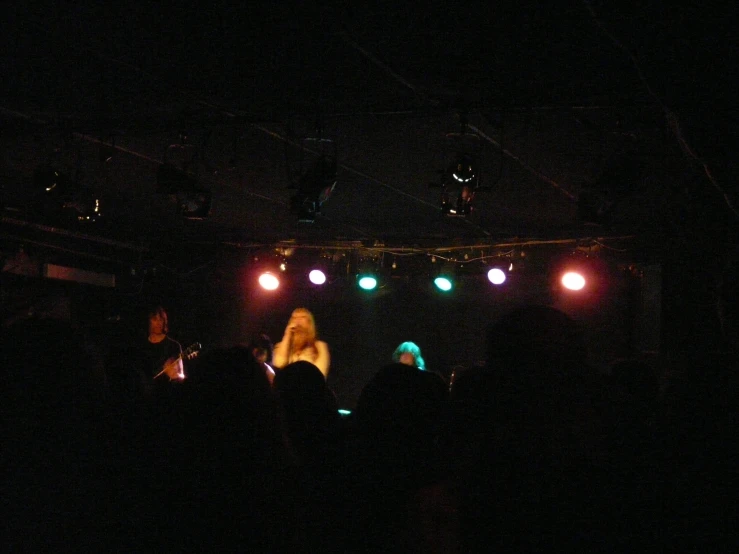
x,y
535,336
310,410
536,370
303,391
399,392
398,423
261,348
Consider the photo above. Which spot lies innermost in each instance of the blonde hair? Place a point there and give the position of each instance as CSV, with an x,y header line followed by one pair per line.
x,y
311,332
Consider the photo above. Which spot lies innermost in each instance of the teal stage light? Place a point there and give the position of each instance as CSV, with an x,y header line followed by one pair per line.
x,y
367,282
443,284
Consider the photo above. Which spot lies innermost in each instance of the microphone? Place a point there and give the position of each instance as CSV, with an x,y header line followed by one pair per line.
x,y
290,342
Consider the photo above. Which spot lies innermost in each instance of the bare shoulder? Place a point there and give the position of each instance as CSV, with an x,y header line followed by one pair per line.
x,y
321,345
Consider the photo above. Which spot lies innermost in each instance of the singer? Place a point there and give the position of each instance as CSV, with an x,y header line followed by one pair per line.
x,y
300,343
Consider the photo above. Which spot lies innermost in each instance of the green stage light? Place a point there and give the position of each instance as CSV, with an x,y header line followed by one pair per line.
x,y
367,282
443,284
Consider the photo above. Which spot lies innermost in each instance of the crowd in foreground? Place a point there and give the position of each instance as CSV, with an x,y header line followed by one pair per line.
x,y
534,451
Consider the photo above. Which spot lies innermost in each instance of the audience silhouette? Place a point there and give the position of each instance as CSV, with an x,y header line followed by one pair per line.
x,y
532,451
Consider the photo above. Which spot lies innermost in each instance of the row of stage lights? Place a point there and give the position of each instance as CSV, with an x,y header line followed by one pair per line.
x,y
497,276
271,281
572,280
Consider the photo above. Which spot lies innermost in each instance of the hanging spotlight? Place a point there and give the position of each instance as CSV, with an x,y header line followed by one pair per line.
x,y
175,176
444,277
367,282
50,180
369,269
460,176
317,182
464,169
270,268
459,185
325,269
64,198
497,272
580,272
443,283
314,190
457,203
496,276
269,281
573,280
584,277
317,277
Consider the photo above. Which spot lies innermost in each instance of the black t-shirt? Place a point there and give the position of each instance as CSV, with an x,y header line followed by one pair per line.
x,y
156,353
152,356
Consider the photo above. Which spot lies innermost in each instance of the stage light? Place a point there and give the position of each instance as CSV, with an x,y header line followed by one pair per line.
x,y
461,175
443,274
177,176
367,282
573,280
316,184
463,169
496,276
52,180
194,205
269,281
65,198
459,184
443,283
369,271
317,277
457,203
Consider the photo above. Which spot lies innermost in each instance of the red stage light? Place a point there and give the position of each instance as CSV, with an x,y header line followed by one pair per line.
x,y
269,281
573,280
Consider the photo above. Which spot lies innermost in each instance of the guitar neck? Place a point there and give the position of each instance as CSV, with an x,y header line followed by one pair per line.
x,y
189,352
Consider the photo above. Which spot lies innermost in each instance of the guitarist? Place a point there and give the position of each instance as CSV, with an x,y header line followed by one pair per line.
x,y
163,354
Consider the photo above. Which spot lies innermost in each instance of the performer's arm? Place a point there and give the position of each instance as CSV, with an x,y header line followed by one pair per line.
x,y
173,367
281,351
323,358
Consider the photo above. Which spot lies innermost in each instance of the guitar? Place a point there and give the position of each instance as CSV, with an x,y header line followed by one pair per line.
x,y
187,354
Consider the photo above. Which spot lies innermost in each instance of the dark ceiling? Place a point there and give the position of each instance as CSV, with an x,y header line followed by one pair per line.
x,y
571,107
